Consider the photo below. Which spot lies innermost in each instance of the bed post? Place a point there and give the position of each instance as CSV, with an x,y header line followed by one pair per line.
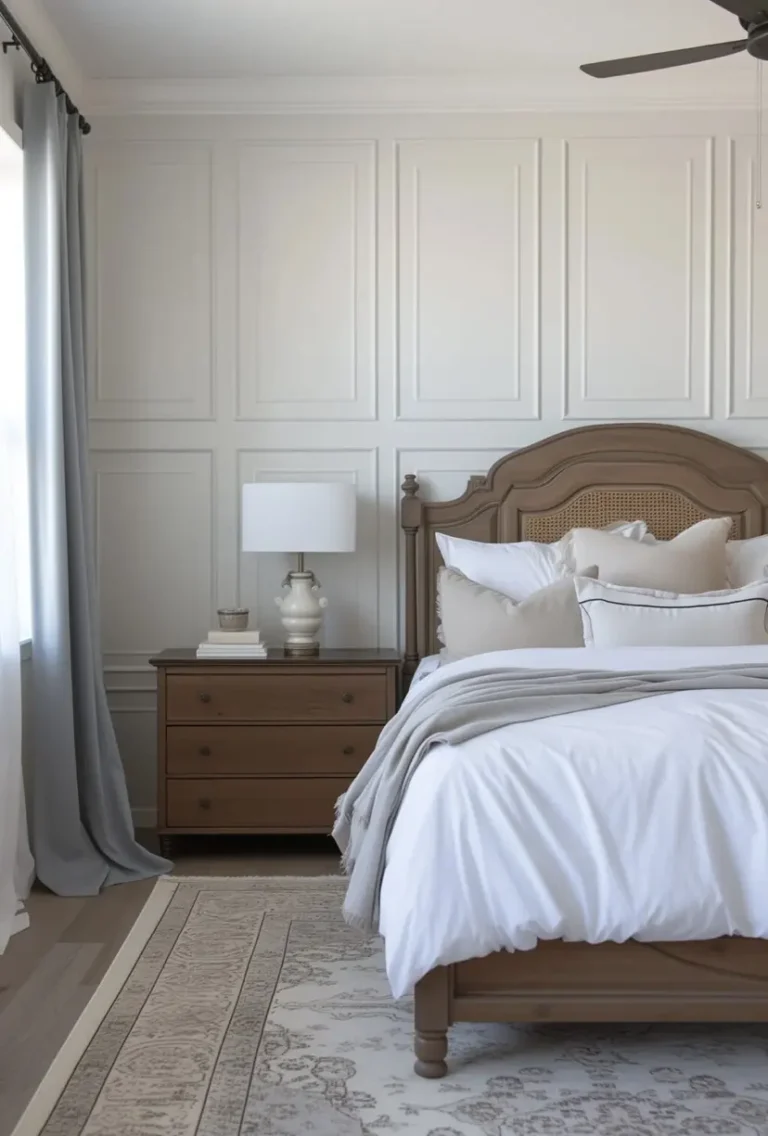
x,y
432,1016
410,520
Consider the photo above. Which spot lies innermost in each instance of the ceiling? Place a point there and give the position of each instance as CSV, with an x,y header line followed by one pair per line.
x,y
177,39
536,45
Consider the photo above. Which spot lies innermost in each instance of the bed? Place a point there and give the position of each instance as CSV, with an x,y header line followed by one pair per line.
x,y
590,477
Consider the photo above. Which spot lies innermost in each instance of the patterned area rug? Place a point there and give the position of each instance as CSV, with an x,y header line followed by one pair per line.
x,y
247,1008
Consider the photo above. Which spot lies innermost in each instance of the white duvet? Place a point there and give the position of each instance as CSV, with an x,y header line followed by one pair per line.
x,y
645,820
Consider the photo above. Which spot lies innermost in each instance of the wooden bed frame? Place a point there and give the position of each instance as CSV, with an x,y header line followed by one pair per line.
x,y
671,477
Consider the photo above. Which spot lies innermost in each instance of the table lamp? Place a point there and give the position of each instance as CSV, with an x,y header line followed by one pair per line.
x,y
291,516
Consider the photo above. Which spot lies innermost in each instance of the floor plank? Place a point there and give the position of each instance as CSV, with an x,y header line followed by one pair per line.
x,y
36,1022
49,972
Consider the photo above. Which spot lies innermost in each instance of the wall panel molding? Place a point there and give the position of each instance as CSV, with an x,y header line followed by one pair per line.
x,y
152,294
154,520
306,251
443,473
469,284
747,303
639,278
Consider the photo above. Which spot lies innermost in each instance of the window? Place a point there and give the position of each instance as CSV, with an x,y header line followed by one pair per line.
x,y
13,419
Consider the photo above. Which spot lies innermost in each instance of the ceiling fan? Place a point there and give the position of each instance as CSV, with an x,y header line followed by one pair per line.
x,y
752,17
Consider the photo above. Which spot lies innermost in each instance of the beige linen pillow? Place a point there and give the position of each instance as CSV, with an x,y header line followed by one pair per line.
x,y
693,562
746,561
475,619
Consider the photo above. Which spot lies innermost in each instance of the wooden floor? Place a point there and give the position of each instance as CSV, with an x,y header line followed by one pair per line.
x,y
49,971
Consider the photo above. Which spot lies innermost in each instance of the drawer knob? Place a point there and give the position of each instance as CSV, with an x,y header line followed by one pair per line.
x,y
349,750
205,751
204,802
347,697
205,698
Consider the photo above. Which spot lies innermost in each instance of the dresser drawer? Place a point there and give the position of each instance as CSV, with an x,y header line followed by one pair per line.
x,y
329,697
207,751
266,804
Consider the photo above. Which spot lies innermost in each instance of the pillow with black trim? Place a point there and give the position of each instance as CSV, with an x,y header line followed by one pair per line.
x,y
616,616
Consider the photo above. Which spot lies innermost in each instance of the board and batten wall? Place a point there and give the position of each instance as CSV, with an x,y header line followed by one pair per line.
x,y
360,297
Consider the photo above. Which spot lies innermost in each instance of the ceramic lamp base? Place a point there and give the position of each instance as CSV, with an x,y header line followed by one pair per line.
x,y
302,613
300,650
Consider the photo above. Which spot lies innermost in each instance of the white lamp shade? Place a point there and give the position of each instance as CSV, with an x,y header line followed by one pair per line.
x,y
299,516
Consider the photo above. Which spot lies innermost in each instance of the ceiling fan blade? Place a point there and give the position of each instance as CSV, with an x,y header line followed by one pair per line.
x,y
744,9
634,64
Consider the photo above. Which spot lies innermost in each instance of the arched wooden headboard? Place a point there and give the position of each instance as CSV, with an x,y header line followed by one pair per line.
x,y
667,475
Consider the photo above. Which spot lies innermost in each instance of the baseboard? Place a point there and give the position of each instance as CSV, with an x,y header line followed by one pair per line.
x,y
144,817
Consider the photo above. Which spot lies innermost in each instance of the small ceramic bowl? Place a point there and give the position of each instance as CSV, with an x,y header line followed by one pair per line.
x,y
233,618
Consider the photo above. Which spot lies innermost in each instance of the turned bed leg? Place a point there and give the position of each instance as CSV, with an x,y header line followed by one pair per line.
x,y
431,1049
432,1014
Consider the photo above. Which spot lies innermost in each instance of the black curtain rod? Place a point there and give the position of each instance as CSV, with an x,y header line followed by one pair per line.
x,y
43,73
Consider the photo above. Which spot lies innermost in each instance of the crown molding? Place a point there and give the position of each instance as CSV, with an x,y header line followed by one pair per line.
x,y
409,94
48,41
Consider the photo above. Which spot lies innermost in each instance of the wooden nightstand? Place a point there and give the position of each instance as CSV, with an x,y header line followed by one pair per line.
x,y
265,746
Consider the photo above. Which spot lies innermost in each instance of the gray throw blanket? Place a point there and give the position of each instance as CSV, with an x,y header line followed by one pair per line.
x,y
453,708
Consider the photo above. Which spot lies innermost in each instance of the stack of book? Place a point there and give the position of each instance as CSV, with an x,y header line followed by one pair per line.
x,y
232,645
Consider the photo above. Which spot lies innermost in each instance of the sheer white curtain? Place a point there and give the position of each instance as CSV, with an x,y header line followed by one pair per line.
x,y
16,866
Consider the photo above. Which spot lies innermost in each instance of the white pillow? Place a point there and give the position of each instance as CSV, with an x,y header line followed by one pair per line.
x,y
520,569
693,562
613,616
746,560
475,619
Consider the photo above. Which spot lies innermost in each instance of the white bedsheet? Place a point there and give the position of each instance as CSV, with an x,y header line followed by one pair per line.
x,y
645,820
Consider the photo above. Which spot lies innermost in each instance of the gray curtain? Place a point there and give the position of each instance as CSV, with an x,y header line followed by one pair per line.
x,y
81,829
